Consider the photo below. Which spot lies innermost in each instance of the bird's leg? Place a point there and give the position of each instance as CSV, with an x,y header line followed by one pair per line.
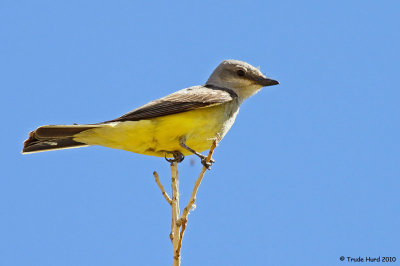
x,y
178,156
182,142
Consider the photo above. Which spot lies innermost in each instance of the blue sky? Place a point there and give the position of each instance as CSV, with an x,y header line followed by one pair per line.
x,y
308,173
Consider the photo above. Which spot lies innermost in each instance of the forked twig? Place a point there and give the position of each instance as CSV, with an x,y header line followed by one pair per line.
x,y
179,223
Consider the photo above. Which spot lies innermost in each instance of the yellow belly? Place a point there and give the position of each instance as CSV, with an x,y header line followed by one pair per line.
x,y
158,135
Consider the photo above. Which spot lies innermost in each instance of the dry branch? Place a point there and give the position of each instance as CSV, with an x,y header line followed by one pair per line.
x,y
179,223
165,194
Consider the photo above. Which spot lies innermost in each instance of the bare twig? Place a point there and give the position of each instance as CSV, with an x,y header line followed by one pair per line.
x,y
178,225
183,219
192,199
165,194
175,213
184,223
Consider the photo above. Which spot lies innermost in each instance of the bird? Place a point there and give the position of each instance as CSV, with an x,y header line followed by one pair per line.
x,y
182,123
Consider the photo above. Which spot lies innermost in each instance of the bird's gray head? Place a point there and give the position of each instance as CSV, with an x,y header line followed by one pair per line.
x,y
239,76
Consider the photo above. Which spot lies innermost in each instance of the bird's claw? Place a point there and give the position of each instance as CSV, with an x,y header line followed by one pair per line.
x,y
178,157
205,163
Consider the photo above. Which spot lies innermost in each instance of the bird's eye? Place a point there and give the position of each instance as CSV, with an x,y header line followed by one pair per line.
x,y
240,73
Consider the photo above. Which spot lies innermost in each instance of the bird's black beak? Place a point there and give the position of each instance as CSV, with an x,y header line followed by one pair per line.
x,y
267,82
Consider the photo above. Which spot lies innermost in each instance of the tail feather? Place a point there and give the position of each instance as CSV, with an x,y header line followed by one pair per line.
x,y
48,138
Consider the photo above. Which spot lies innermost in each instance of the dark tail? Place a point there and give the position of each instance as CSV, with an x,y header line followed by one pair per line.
x,y
47,138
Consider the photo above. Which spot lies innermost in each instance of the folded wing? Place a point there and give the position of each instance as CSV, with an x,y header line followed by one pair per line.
x,y
181,101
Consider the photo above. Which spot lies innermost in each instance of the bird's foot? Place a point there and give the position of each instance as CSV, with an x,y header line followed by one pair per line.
x,y
178,157
202,157
204,162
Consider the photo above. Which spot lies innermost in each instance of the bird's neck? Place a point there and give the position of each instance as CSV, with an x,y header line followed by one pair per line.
x,y
242,92
246,92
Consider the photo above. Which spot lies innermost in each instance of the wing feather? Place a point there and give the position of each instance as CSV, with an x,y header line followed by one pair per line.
x,y
181,101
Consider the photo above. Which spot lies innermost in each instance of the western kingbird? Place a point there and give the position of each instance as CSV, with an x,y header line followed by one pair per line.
x,y
182,123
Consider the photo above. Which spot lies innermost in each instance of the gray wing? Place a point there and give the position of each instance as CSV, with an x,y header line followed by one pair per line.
x,y
179,102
